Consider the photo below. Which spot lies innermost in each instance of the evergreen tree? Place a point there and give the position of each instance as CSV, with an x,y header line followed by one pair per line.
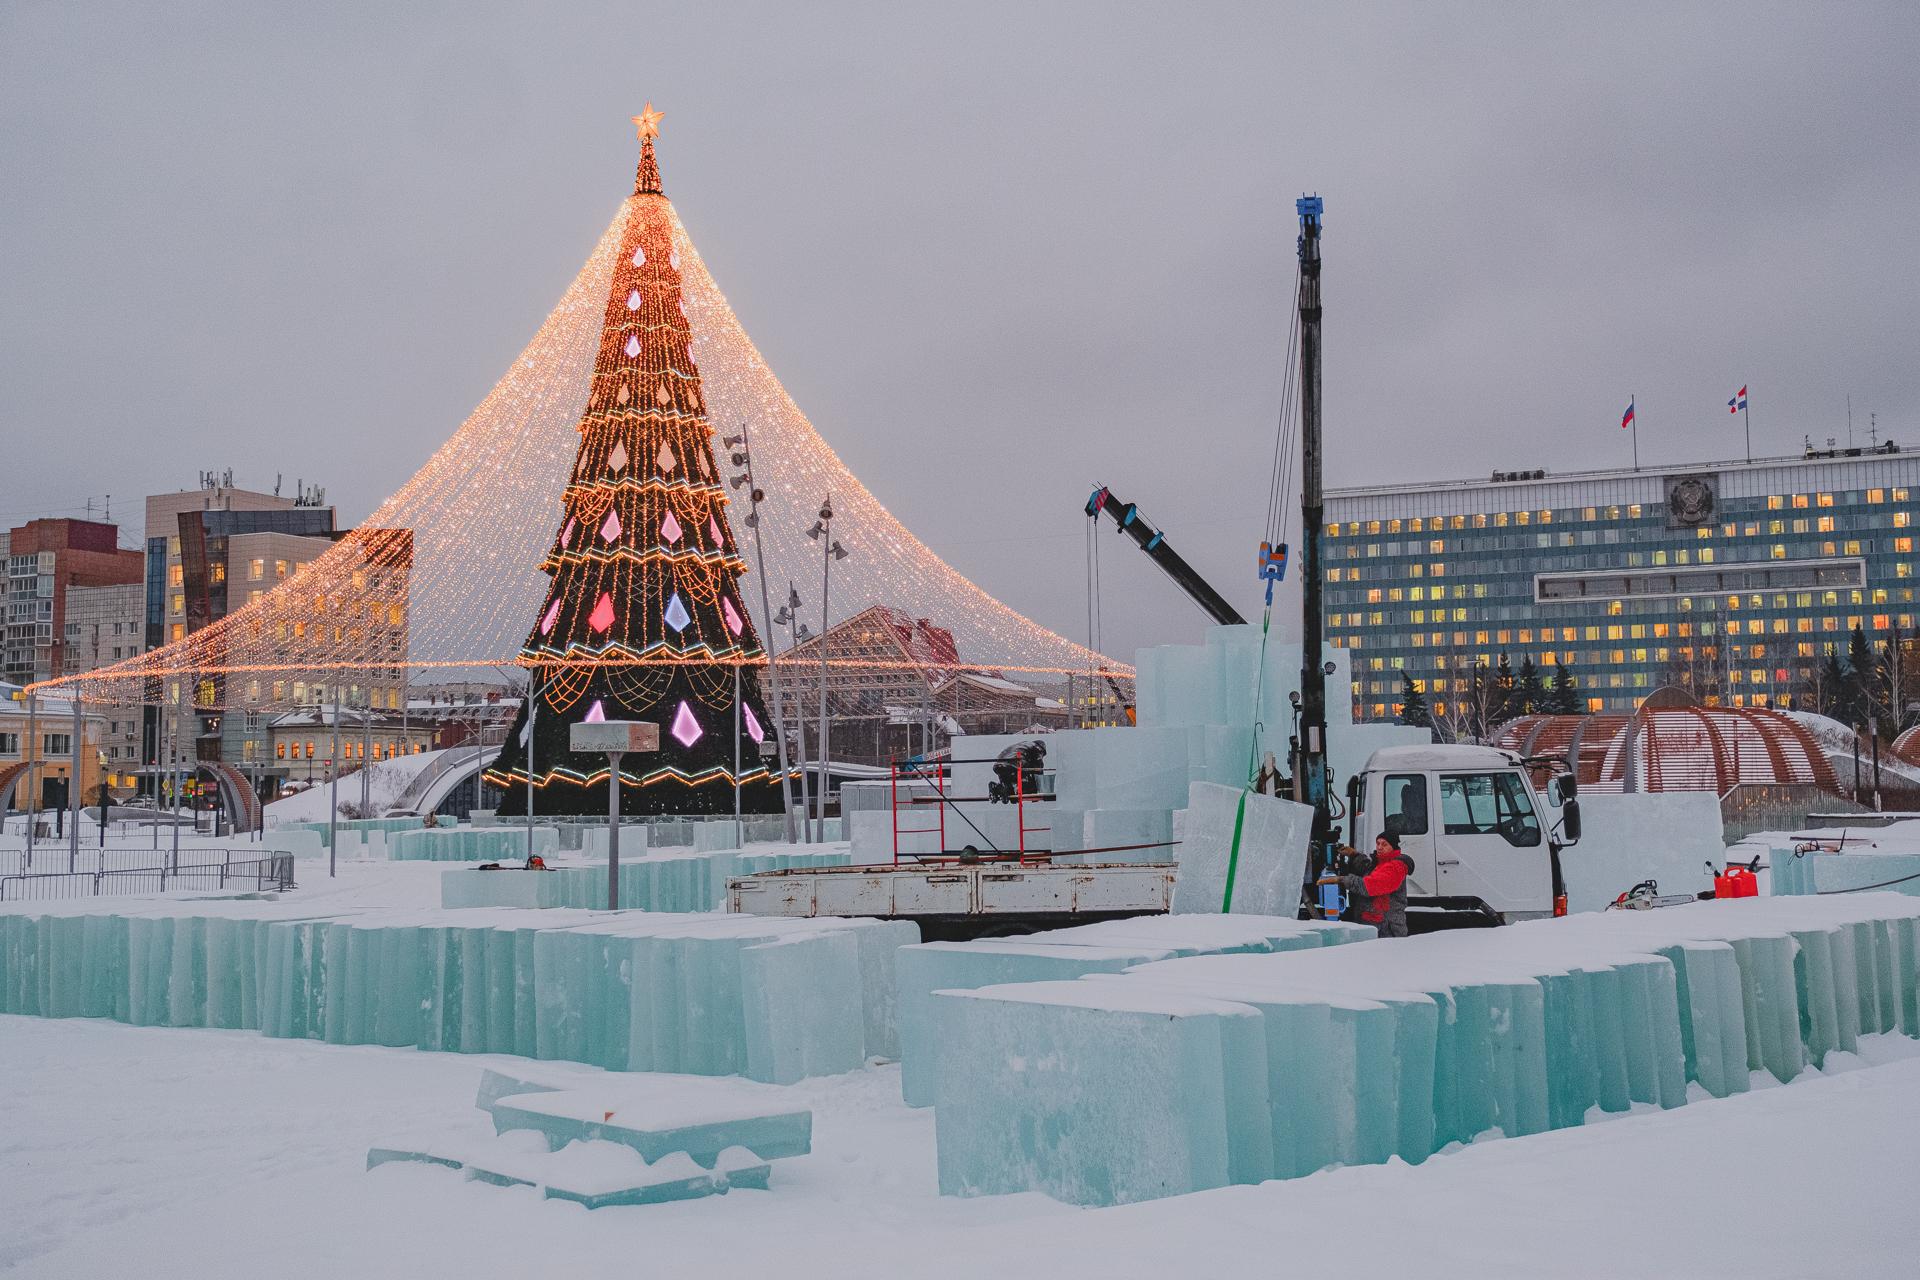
x,y
1830,688
1563,698
1859,683
1529,693
1500,700
643,619
1413,705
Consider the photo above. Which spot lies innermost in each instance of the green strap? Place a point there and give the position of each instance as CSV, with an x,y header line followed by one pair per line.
x,y
1233,853
1259,689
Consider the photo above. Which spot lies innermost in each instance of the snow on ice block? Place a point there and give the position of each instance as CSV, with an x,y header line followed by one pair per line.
x,y
660,1115
1272,858
1828,873
1098,1093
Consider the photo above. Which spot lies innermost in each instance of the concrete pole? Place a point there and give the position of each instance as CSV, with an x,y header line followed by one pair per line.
x,y
766,640
533,707
73,789
173,770
333,790
736,749
366,760
33,754
613,830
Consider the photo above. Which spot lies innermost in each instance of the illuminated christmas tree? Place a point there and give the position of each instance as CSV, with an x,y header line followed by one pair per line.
x,y
644,618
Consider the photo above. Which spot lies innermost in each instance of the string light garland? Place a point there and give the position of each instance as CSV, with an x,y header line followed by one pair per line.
x,y
588,470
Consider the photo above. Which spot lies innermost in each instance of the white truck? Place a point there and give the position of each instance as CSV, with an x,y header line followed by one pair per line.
x,y
1485,845
1485,842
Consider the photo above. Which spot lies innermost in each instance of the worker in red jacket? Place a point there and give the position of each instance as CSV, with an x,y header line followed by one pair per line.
x,y
1383,889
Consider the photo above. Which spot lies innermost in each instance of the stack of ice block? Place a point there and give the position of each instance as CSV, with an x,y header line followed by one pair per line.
x,y
1402,1047
1817,873
1258,842
609,1141
481,844
659,882
776,1000
1106,947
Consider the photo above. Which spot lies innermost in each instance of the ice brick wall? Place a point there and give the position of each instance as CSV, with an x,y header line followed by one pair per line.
x,y
1402,1047
634,991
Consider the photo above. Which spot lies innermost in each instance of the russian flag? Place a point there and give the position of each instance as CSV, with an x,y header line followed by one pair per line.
x,y
1626,419
1738,402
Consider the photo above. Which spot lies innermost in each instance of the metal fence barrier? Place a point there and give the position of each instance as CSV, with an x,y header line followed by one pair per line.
x,y
258,872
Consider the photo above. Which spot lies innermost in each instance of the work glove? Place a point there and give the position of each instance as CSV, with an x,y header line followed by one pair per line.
x,y
1353,884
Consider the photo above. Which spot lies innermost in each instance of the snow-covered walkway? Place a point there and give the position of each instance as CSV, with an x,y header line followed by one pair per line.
x,y
139,1151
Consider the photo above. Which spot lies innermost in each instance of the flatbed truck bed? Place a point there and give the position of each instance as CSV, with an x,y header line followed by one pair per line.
x,y
956,901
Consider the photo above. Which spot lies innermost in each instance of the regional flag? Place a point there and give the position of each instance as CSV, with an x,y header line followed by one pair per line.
x,y
1626,419
1738,402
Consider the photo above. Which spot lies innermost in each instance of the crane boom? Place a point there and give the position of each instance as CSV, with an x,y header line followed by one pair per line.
x,y
1154,542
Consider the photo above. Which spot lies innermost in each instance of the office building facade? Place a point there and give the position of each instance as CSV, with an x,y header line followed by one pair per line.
x,y
1734,579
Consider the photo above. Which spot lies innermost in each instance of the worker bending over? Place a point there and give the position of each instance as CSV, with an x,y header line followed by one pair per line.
x,y
1381,894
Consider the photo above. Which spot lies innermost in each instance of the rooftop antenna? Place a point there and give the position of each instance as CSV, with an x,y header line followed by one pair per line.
x,y
1873,431
278,479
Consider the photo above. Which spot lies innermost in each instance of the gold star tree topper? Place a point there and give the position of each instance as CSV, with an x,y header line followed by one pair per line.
x,y
647,123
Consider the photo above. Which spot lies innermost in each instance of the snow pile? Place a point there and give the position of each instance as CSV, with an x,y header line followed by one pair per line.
x,y
776,1000
387,781
1120,1087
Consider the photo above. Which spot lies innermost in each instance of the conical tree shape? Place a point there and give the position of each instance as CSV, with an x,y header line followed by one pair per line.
x,y
644,619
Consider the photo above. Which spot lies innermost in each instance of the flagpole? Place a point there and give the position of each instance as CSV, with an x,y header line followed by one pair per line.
x,y
1633,403
1746,424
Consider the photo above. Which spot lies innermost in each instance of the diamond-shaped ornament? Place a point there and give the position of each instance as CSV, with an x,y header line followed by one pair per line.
x,y
670,530
552,616
685,727
633,300
596,714
682,304
633,344
623,395
661,396
617,457
754,730
732,617
665,459
566,534
713,527
673,259
676,615
602,616
610,528
639,257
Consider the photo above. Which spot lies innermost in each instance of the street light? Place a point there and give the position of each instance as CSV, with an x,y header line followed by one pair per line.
x,y
743,457
830,550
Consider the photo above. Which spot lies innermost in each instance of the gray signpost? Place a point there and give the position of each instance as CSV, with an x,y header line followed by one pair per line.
x,y
614,738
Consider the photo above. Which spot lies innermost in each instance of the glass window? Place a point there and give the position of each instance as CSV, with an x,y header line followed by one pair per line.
x,y
1406,804
1485,804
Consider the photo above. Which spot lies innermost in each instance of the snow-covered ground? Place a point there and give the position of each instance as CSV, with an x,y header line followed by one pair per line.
x,y
140,1151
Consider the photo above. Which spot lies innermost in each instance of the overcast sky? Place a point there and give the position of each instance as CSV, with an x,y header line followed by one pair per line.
x,y
997,253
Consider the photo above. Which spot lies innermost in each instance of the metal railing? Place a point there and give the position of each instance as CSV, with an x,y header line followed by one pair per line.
x,y
259,873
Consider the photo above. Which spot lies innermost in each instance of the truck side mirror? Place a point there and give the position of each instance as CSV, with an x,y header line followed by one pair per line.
x,y
1570,822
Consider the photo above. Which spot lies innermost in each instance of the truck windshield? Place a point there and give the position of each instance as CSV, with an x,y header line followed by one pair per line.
x,y
1489,804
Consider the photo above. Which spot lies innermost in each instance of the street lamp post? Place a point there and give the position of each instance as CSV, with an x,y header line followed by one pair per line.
x,y
614,738
742,457
822,532
789,616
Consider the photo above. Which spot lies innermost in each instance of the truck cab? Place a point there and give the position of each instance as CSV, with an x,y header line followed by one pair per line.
x,y
1485,842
